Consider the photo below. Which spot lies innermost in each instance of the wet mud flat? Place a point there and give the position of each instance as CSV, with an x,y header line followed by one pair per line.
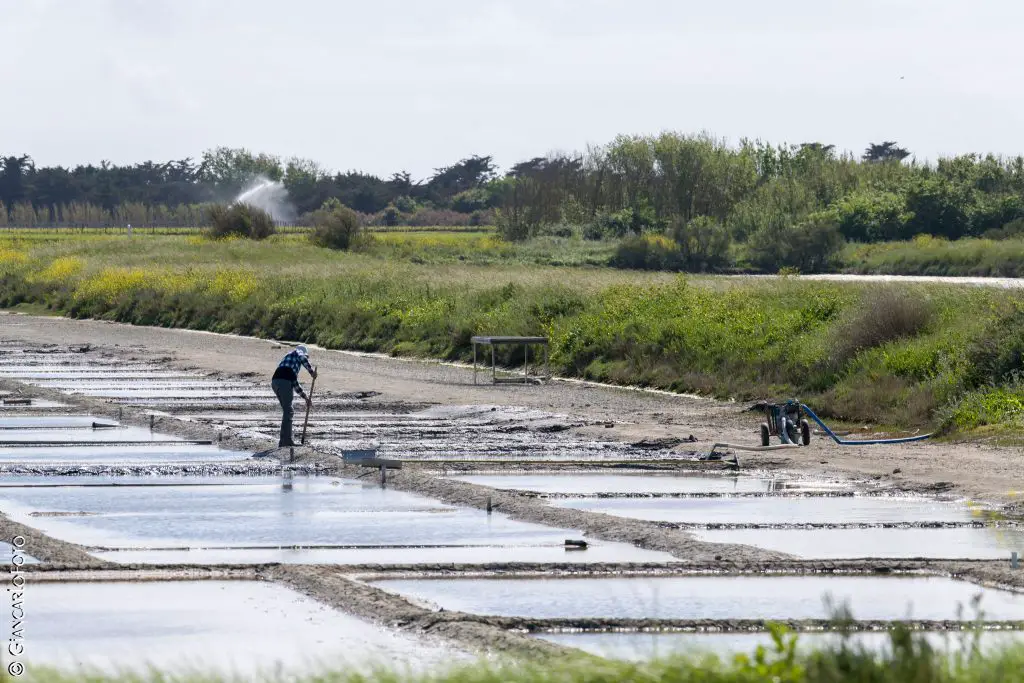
x,y
323,539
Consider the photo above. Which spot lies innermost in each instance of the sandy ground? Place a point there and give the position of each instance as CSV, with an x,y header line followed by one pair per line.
x,y
978,471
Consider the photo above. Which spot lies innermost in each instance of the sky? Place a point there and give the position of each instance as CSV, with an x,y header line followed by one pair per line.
x,y
388,85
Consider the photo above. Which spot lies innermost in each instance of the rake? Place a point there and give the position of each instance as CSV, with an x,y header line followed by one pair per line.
x,y
309,404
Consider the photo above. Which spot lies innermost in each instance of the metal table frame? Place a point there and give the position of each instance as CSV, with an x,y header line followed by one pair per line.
x,y
527,342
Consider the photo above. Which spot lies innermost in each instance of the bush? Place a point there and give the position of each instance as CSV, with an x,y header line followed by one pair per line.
x,y
391,216
886,316
335,226
872,216
812,246
647,252
618,224
1011,230
997,356
703,244
239,220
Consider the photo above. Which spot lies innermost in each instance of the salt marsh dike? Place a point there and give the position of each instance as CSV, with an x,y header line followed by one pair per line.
x,y
138,473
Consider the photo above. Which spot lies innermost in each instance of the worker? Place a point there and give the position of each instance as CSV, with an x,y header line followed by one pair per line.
x,y
285,384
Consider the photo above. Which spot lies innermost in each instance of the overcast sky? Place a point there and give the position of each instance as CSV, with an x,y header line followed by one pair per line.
x,y
384,85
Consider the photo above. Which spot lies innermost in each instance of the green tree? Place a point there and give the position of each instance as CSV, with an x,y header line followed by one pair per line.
x,y
886,151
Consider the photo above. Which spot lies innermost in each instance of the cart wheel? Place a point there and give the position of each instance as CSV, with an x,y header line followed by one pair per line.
x,y
805,432
764,435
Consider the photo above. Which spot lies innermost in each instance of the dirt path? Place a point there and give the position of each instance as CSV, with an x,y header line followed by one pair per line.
x,y
981,472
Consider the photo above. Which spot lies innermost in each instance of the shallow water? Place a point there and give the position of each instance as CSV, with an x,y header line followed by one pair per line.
x,y
114,455
711,597
827,544
171,393
52,422
554,552
596,482
253,520
139,384
777,510
218,626
84,436
35,373
644,646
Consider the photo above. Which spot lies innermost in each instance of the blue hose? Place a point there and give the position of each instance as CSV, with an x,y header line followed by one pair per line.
x,y
846,442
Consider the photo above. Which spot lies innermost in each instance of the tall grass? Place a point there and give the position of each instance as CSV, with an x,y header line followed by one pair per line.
x,y
727,338
927,255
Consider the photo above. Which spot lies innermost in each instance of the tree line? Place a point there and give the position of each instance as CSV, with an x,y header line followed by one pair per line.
x,y
781,204
176,192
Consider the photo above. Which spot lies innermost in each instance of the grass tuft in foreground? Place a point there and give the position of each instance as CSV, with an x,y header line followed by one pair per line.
x,y
908,658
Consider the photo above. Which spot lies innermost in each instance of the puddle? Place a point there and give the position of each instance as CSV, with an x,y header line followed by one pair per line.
x,y
198,393
226,627
599,482
84,436
646,646
481,554
830,544
78,386
113,480
102,375
845,510
116,455
53,422
255,520
712,597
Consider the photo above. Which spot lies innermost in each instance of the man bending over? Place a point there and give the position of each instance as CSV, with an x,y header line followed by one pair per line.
x,y
285,383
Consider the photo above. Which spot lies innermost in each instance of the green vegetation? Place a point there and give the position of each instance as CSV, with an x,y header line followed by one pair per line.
x,y
239,220
718,207
927,255
908,657
863,353
335,226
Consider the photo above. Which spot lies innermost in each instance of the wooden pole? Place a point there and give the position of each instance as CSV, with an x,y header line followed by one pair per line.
x,y
308,404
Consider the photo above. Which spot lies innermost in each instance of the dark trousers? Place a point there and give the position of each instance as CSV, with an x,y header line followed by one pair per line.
x,y
285,393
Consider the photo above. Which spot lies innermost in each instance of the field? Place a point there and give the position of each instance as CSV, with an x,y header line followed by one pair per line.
x,y
914,357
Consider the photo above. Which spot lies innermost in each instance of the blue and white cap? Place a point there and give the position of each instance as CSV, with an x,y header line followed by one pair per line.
x,y
301,350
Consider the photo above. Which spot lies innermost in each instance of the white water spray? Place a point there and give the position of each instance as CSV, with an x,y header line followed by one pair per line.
x,y
269,195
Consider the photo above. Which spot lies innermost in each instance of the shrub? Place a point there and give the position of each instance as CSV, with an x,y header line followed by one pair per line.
x,y
392,216
241,220
811,246
703,244
469,201
992,406
872,216
1011,230
885,315
997,356
335,226
647,252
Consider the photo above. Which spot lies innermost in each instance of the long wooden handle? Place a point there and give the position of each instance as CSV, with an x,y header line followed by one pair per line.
x,y
309,403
